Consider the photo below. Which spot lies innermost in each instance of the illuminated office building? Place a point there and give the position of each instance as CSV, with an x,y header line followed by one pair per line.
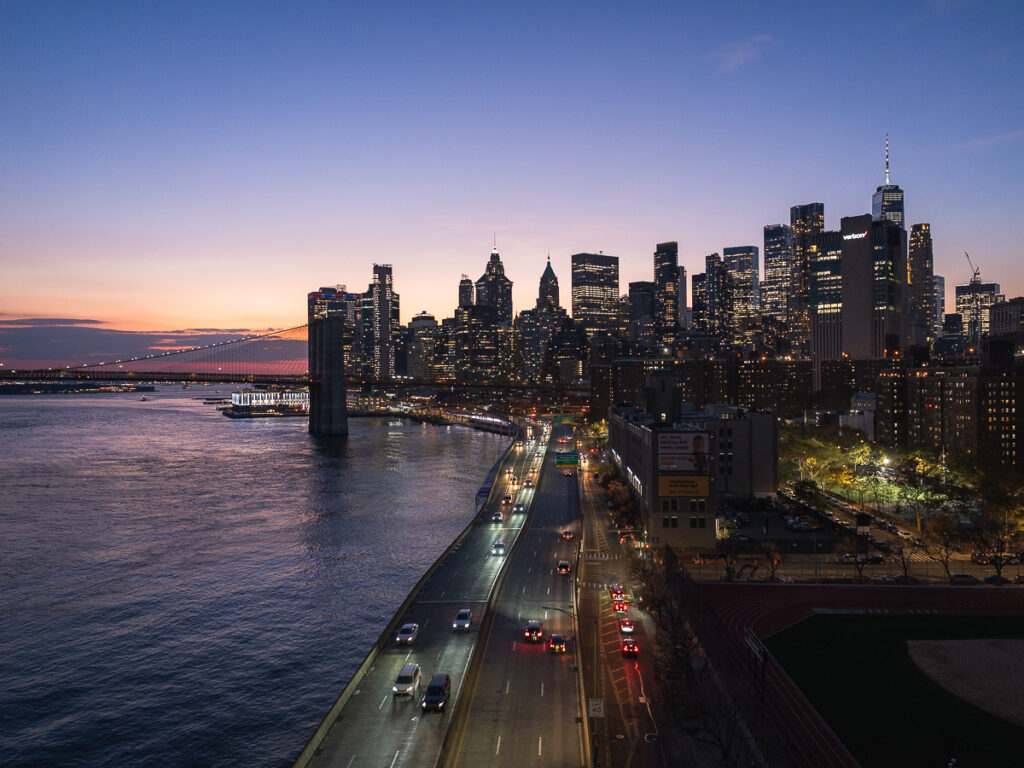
x,y
887,202
666,293
921,302
805,222
742,265
778,264
494,289
595,292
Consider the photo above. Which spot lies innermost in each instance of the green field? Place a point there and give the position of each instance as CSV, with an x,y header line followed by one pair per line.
x,y
857,672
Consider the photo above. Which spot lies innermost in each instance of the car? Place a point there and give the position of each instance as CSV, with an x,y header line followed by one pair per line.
x,y
997,580
617,592
568,473
519,507
556,644
509,471
407,634
498,548
533,631
963,579
626,626
620,606
408,681
507,499
497,517
629,647
528,483
568,535
514,481
463,620
438,690
563,566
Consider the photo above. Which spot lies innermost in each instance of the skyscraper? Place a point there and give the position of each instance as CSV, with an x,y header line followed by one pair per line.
x,y
825,299
384,328
742,264
684,310
887,202
921,302
874,280
778,258
547,296
972,304
493,289
666,293
940,305
466,292
805,221
595,292
717,292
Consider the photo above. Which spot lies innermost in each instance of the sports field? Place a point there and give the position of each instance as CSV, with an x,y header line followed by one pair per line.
x,y
858,672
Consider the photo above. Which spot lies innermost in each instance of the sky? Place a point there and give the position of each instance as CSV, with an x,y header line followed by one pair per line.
x,y
191,168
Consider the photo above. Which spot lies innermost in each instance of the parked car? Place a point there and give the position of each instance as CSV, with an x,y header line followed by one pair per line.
x,y
962,579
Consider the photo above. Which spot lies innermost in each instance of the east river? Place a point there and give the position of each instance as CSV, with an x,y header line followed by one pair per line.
x,y
182,589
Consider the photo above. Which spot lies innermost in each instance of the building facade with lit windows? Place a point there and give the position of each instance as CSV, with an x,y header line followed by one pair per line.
x,y
595,292
666,293
679,472
920,273
973,303
778,261
825,298
805,221
887,202
743,263
384,330
874,282
494,289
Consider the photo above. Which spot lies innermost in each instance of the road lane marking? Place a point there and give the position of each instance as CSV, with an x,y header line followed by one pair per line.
x,y
542,690
395,759
497,749
549,590
508,684
350,761
382,704
539,744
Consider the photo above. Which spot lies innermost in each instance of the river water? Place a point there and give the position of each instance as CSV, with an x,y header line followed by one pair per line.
x,y
182,589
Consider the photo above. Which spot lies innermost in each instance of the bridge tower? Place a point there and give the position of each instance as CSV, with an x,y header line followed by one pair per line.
x,y
328,411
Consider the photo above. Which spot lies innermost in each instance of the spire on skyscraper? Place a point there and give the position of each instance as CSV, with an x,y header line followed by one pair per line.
x,y
887,159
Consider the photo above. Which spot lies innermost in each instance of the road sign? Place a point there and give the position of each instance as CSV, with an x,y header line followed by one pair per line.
x,y
567,459
595,707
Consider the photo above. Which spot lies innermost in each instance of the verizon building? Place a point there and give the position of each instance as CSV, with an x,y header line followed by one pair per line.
x,y
874,293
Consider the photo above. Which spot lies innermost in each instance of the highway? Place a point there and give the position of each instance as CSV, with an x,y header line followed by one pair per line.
x,y
524,708
375,728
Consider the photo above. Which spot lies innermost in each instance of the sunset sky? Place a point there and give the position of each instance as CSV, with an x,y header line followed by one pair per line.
x,y
173,166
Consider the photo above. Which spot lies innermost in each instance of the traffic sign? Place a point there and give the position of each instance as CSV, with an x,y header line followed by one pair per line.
x,y
595,707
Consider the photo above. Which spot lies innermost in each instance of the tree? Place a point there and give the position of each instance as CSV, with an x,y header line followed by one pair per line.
x,y
903,551
919,487
999,518
773,556
945,536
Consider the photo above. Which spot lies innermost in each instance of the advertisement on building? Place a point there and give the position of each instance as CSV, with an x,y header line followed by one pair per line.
x,y
683,485
683,452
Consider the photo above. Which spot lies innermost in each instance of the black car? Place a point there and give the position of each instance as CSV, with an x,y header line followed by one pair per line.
x,y
438,691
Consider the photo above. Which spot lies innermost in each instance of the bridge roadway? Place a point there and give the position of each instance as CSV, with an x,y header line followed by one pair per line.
x,y
523,706
375,728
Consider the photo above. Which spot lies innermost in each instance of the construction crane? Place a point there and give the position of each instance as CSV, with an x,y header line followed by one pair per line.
x,y
975,271
974,317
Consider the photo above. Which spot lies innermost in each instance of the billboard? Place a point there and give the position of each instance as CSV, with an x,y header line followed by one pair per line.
x,y
683,452
683,485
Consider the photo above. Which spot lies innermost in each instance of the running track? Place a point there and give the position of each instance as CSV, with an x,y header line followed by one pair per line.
x,y
769,608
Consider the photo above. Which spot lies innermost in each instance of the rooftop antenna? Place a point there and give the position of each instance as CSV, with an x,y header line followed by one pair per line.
x,y
887,159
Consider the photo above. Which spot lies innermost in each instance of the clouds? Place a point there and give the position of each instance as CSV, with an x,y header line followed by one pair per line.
x,y
735,54
37,322
998,138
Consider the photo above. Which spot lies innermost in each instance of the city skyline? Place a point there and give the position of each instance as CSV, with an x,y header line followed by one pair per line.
x,y
146,189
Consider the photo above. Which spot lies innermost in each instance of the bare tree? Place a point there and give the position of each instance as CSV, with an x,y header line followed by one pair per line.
x,y
945,536
999,518
773,557
903,551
